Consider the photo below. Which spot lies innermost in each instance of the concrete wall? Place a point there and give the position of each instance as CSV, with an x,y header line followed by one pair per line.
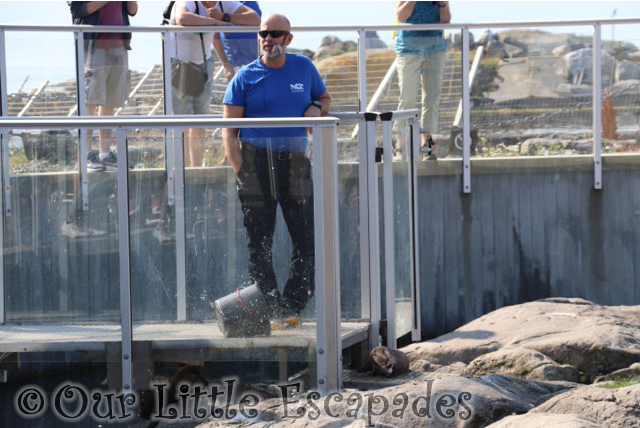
x,y
531,228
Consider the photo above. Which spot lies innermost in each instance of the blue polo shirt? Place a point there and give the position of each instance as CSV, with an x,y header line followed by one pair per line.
x,y
276,92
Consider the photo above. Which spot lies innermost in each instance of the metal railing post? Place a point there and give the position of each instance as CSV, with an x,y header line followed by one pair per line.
x,y
415,156
466,114
327,265
168,109
6,167
362,70
181,235
363,207
124,248
597,106
373,250
81,100
389,230
4,156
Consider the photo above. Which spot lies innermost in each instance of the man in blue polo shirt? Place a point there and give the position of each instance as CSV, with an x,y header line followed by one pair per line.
x,y
270,163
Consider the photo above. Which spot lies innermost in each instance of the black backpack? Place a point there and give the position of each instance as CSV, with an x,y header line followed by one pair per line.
x,y
166,15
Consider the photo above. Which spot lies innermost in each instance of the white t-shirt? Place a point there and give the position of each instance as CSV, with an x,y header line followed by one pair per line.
x,y
186,46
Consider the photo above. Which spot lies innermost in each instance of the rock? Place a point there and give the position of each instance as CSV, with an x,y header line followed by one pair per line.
x,y
561,50
579,65
332,45
609,407
549,420
454,401
571,90
521,362
455,369
496,49
594,339
373,41
627,70
451,402
632,371
631,86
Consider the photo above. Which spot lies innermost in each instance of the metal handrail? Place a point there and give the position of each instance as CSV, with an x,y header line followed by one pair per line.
x,y
367,27
162,122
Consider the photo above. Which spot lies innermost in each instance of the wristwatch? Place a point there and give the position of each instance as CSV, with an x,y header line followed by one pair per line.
x,y
226,17
317,104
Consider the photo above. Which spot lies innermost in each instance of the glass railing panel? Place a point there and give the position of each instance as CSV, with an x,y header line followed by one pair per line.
x,y
620,96
349,203
43,82
403,230
55,247
192,93
143,94
240,267
532,92
61,327
336,58
151,227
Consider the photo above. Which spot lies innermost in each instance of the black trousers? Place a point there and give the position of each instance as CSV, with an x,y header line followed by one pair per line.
x,y
265,180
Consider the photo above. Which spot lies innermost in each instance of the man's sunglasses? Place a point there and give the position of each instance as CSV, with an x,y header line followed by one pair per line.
x,y
274,33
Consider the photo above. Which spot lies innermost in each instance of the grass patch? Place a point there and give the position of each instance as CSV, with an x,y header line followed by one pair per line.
x,y
620,383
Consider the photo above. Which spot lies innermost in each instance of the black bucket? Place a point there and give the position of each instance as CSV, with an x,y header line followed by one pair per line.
x,y
243,313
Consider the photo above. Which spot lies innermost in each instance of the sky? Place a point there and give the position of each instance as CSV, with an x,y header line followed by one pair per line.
x,y
41,55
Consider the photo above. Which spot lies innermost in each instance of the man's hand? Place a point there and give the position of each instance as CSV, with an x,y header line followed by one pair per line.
x,y
312,111
215,13
230,137
229,72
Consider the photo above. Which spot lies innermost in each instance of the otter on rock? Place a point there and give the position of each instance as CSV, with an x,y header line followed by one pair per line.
x,y
388,362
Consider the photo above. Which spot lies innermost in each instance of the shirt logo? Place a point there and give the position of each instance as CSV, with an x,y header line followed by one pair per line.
x,y
297,87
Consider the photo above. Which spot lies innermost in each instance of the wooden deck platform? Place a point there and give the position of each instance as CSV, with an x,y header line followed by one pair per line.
x,y
161,336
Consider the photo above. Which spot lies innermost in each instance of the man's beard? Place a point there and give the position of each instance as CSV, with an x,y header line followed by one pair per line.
x,y
276,51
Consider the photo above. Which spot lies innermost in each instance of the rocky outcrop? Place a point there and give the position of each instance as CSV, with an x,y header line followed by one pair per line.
x,y
626,70
608,407
331,45
549,420
579,66
593,339
523,363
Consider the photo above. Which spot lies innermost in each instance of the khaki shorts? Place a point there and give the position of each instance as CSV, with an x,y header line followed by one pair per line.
x,y
106,75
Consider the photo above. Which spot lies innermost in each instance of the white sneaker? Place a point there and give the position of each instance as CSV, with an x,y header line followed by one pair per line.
x,y
72,230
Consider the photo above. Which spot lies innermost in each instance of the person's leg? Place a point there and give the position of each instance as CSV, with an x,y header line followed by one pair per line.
x,y
105,134
259,210
296,200
409,67
432,70
195,145
201,105
117,90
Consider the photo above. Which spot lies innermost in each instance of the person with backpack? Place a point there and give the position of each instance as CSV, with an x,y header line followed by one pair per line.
x,y
106,66
192,60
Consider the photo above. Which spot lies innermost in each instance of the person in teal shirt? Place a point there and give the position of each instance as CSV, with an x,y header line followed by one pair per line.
x,y
421,56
